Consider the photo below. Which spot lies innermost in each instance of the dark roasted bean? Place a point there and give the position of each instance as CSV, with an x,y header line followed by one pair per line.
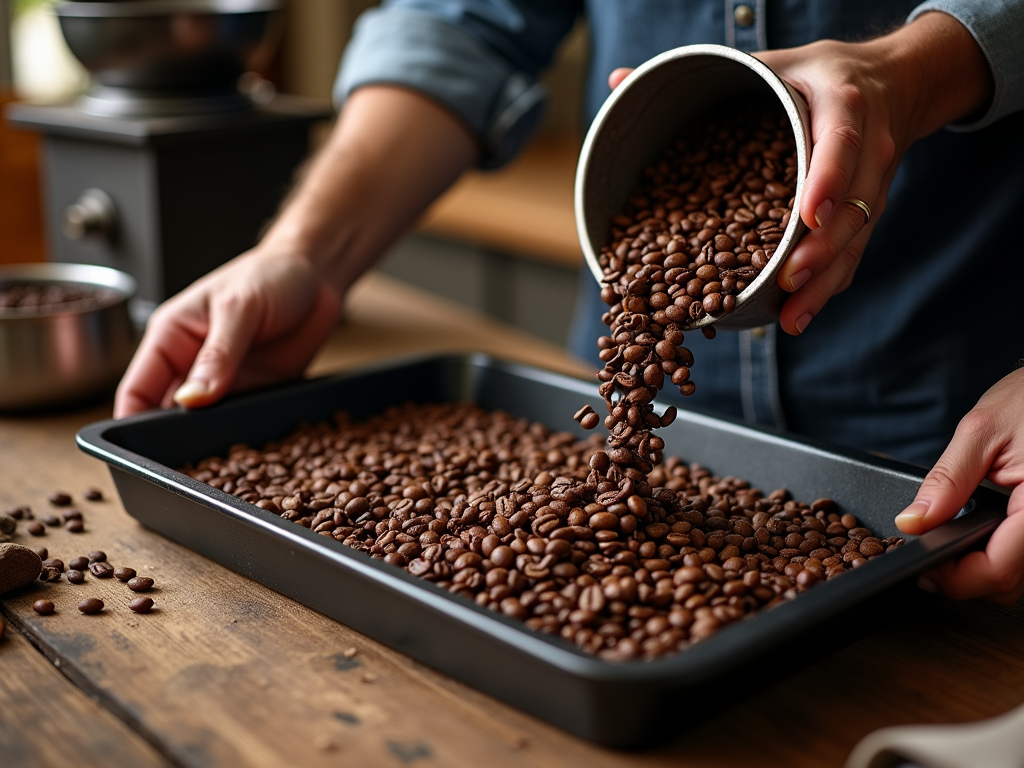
x,y
43,607
140,584
141,604
91,605
101,570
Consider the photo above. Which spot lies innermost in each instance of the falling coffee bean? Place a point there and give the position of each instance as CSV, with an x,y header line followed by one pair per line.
x,y
43,607
91,605
141,604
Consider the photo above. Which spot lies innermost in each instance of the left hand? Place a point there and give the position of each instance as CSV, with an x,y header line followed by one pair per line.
x,y
988,443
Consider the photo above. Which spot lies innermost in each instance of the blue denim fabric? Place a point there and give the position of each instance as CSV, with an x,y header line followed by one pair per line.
x,y
933,317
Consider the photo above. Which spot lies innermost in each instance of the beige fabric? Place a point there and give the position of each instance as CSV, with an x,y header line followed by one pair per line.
x,y
994,743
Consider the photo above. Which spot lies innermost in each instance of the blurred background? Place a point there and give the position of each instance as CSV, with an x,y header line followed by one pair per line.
x,y
502,242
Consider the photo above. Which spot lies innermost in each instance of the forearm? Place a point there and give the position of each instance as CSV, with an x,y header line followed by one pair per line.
x,y
943,75
391,153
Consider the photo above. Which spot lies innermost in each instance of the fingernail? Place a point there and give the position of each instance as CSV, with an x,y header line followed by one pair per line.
x,y
803,321
927,584
821,215
191,390
914,512
799,279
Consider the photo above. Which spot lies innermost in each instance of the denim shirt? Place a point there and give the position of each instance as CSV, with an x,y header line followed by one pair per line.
x,y
934,315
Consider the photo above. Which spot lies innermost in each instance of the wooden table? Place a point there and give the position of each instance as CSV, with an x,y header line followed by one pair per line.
x,y
228,673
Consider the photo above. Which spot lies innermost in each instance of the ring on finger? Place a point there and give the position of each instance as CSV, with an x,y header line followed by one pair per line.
x,y
858,203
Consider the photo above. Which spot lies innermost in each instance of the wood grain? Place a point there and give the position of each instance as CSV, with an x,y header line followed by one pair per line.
x,y
226,672
47,721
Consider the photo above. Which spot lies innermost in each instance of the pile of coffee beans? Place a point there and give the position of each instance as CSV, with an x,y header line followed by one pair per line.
x,y
703,223
44,298
543,527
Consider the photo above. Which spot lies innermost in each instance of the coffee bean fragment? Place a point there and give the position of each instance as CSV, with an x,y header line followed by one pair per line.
x,y
97,556
101,570
74,526
140,584
43,607
124,574
75,576
60,499
35,529
93,494
91,605
141,604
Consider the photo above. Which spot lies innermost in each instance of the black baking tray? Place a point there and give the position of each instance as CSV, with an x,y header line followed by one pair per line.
x,y
617,704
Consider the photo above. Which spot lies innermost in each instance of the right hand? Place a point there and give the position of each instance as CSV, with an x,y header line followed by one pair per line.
x,y
256,320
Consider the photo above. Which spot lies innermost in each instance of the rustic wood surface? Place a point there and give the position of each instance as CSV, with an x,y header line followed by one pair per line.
x,y
226,672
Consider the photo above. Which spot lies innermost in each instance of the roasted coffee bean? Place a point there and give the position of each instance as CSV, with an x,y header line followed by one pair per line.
x,y
93,494
60,499
625,560
51,520
101,570
35,529
97,556
43,607
54,562
140,584
71,514
20,513
79,563
75,576
141,604
8,525
91,605
74,526
124,574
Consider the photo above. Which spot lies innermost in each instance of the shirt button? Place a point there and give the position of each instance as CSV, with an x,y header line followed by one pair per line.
x,y
744,15
758,333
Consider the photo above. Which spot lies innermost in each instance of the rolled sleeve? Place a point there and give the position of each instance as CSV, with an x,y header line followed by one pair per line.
x,y
998,26
436,56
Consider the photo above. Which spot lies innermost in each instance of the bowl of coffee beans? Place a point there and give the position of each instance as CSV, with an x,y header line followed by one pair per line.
x,y
687,187
65,333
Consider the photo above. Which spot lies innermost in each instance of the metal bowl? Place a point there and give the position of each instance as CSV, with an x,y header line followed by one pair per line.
x,y
151,52
645,114
55,357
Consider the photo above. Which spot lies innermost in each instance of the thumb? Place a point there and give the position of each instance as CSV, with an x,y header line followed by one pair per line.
x,y
617,76
233,322
950,483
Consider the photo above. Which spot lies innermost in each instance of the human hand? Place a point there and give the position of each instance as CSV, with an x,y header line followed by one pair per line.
x,y
988,443
256,320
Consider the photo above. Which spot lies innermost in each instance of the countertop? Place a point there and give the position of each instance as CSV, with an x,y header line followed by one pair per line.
x,y
225,672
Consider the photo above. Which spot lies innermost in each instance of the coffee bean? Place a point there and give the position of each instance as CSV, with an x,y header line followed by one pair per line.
x,y
141,604
140,584
75,576
35,529
124,574
91,605
101,570
71,514
97,556
74,526
51,520
60,499
8,525
20,513
93,494
79,563
54,562
43,607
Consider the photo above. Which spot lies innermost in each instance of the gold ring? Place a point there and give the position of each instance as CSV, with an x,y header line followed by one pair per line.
x,y
862,205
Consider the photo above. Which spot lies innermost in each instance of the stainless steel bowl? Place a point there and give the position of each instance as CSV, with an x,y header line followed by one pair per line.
x,y
62,356
170,56
645,114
